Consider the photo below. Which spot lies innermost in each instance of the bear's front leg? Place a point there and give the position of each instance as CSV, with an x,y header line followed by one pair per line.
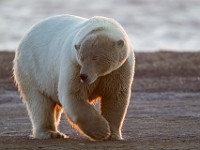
x,y
114,108
83,115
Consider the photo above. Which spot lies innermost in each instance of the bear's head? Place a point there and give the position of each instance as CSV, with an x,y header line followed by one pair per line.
x,y
99,55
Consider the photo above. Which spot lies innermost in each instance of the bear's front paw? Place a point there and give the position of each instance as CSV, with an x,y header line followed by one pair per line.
x,y
96,128
50,135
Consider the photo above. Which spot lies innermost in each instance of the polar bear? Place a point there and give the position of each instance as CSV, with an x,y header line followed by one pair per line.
x,y
64,63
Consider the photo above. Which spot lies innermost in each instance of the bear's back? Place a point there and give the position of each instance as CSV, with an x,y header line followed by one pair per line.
x,y
44,42
38,53
44,32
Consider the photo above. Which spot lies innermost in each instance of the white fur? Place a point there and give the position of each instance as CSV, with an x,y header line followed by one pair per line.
x,y
97,22
45,64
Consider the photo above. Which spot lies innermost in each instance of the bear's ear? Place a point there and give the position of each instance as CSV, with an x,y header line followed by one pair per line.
x,y
119,44
77,46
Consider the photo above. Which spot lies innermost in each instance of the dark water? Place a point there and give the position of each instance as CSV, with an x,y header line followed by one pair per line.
x,y
151,24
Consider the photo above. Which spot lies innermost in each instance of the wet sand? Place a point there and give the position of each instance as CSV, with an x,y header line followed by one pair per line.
x,y
164,112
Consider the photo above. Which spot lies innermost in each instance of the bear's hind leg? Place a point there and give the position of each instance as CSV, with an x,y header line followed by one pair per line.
x,y
42,112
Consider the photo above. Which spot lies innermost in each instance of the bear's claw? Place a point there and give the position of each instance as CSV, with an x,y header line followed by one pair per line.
x,y
50,135
114,137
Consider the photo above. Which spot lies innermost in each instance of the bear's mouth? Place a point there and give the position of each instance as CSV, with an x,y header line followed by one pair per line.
x,y
86,81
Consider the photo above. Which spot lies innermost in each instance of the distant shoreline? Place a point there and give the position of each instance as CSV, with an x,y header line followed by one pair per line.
x,y
153,71
148,64
140,51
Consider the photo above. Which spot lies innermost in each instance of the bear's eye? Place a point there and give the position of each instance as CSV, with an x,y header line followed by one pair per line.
x,y
94,58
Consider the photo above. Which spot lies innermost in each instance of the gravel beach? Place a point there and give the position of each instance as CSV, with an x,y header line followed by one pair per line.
x,y
164,112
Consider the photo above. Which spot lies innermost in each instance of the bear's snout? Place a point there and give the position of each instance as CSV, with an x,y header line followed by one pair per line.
x,y
84,77
87,79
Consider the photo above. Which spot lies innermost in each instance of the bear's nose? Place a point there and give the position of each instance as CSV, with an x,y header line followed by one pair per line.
x,y
83,77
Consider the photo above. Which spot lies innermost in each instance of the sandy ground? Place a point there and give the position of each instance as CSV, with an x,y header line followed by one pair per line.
x,y
164,111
